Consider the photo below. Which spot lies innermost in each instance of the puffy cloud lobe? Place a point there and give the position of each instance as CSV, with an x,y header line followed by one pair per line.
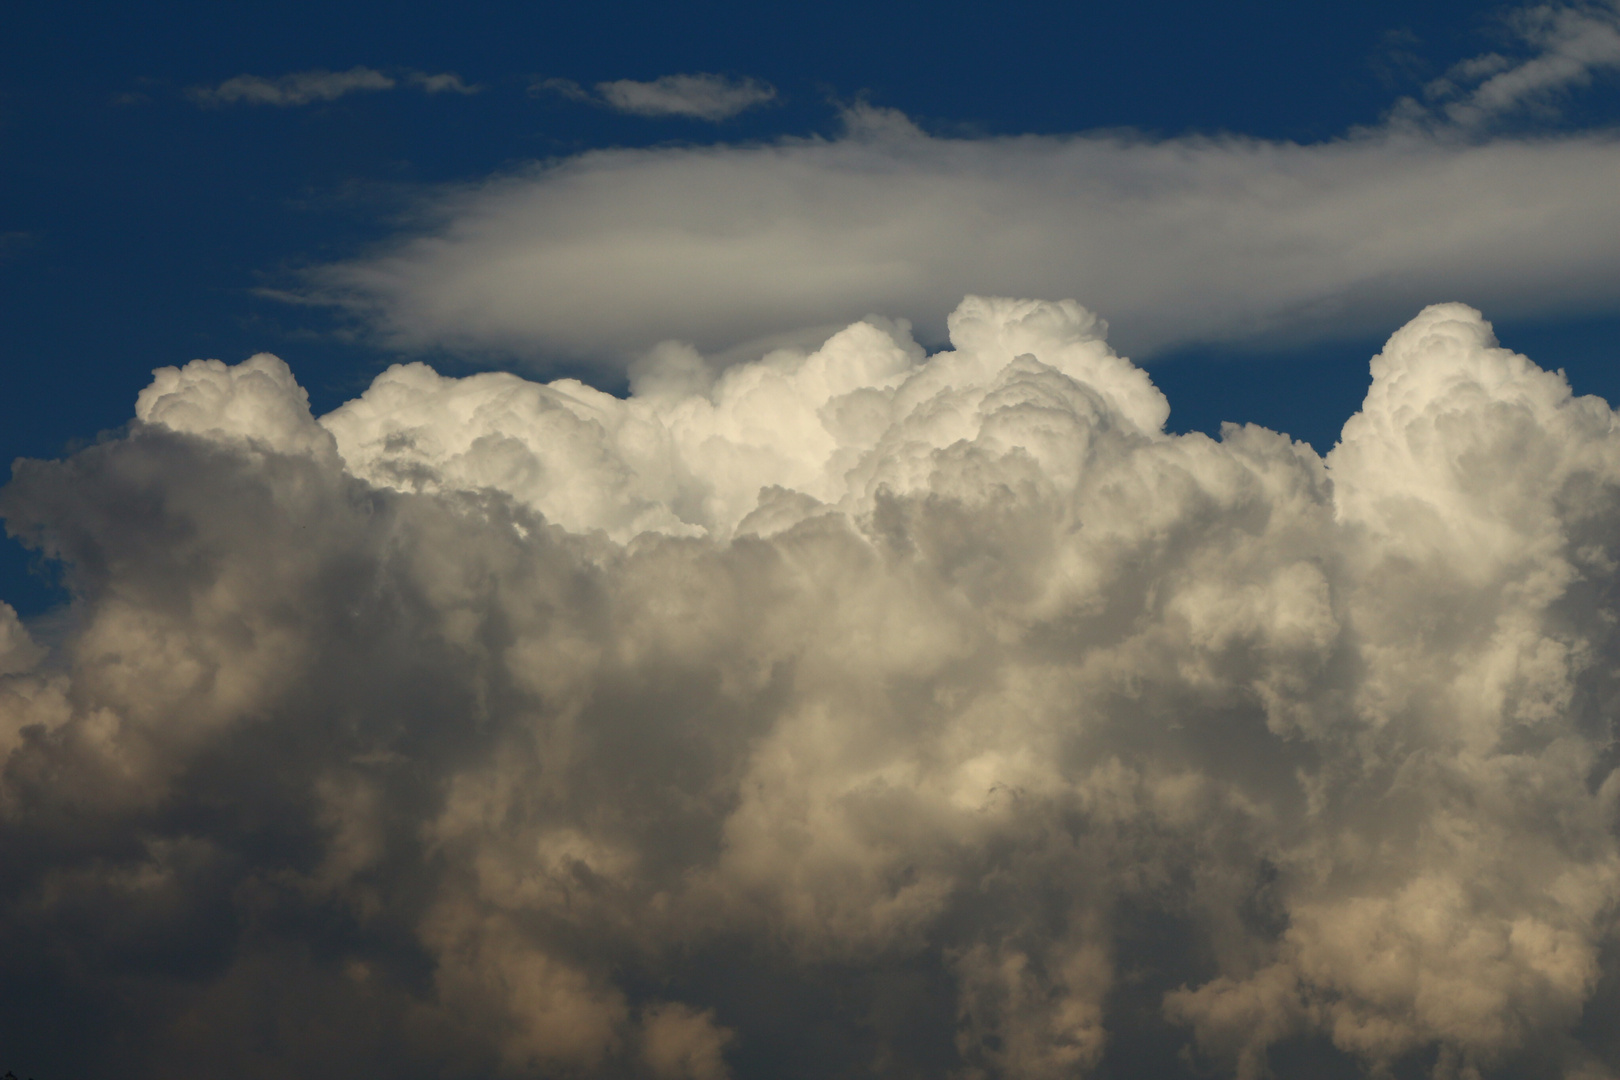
x,y
18,650
848,709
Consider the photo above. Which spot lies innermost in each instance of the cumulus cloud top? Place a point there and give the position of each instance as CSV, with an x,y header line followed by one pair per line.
x,y
704,97
833,425
845,710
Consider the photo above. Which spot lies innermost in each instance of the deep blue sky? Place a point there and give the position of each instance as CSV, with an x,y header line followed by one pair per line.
x,y
138,225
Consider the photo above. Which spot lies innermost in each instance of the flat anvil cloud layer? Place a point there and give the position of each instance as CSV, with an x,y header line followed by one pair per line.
x,y
847,713
602,255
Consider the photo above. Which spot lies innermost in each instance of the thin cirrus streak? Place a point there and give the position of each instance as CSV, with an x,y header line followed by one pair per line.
x,y
703,96
307,87
843,711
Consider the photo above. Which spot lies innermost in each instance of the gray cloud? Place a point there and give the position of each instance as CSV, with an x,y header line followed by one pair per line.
x,y
1569,43
306,87
705,97
700,97
442,83
842,711
603,255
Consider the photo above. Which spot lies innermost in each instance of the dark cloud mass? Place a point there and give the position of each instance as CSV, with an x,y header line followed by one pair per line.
x,y
845,713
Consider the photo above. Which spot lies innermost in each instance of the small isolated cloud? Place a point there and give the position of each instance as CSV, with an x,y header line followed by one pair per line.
x,y
701,97
299,88
447,82
706,97
307,87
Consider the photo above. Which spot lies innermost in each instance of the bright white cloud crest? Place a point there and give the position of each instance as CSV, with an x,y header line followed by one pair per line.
x,y
945,704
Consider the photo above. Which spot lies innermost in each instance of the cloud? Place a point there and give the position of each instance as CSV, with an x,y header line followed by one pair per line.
x,y
305,87
700,97
444,82
1570,44
604,254
299,88
850,710
703,97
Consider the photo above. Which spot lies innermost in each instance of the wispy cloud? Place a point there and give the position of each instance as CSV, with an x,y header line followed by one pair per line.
x,y
299,88
701,97
1566,46
447,82
307,87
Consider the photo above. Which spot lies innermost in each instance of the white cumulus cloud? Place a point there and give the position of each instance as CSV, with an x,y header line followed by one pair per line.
x,y
847,710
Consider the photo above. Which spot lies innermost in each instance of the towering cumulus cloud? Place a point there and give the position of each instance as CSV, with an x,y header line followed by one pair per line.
x,y
843,713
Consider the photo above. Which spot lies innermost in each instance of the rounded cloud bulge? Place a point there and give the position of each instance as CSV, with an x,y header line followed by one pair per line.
x,y
845,710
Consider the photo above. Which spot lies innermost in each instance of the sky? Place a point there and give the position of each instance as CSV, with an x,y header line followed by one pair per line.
x,y
693,541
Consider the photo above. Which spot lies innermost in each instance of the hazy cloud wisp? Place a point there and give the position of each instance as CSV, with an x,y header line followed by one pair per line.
x,y
705,97
1570,43
699,97
307,87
